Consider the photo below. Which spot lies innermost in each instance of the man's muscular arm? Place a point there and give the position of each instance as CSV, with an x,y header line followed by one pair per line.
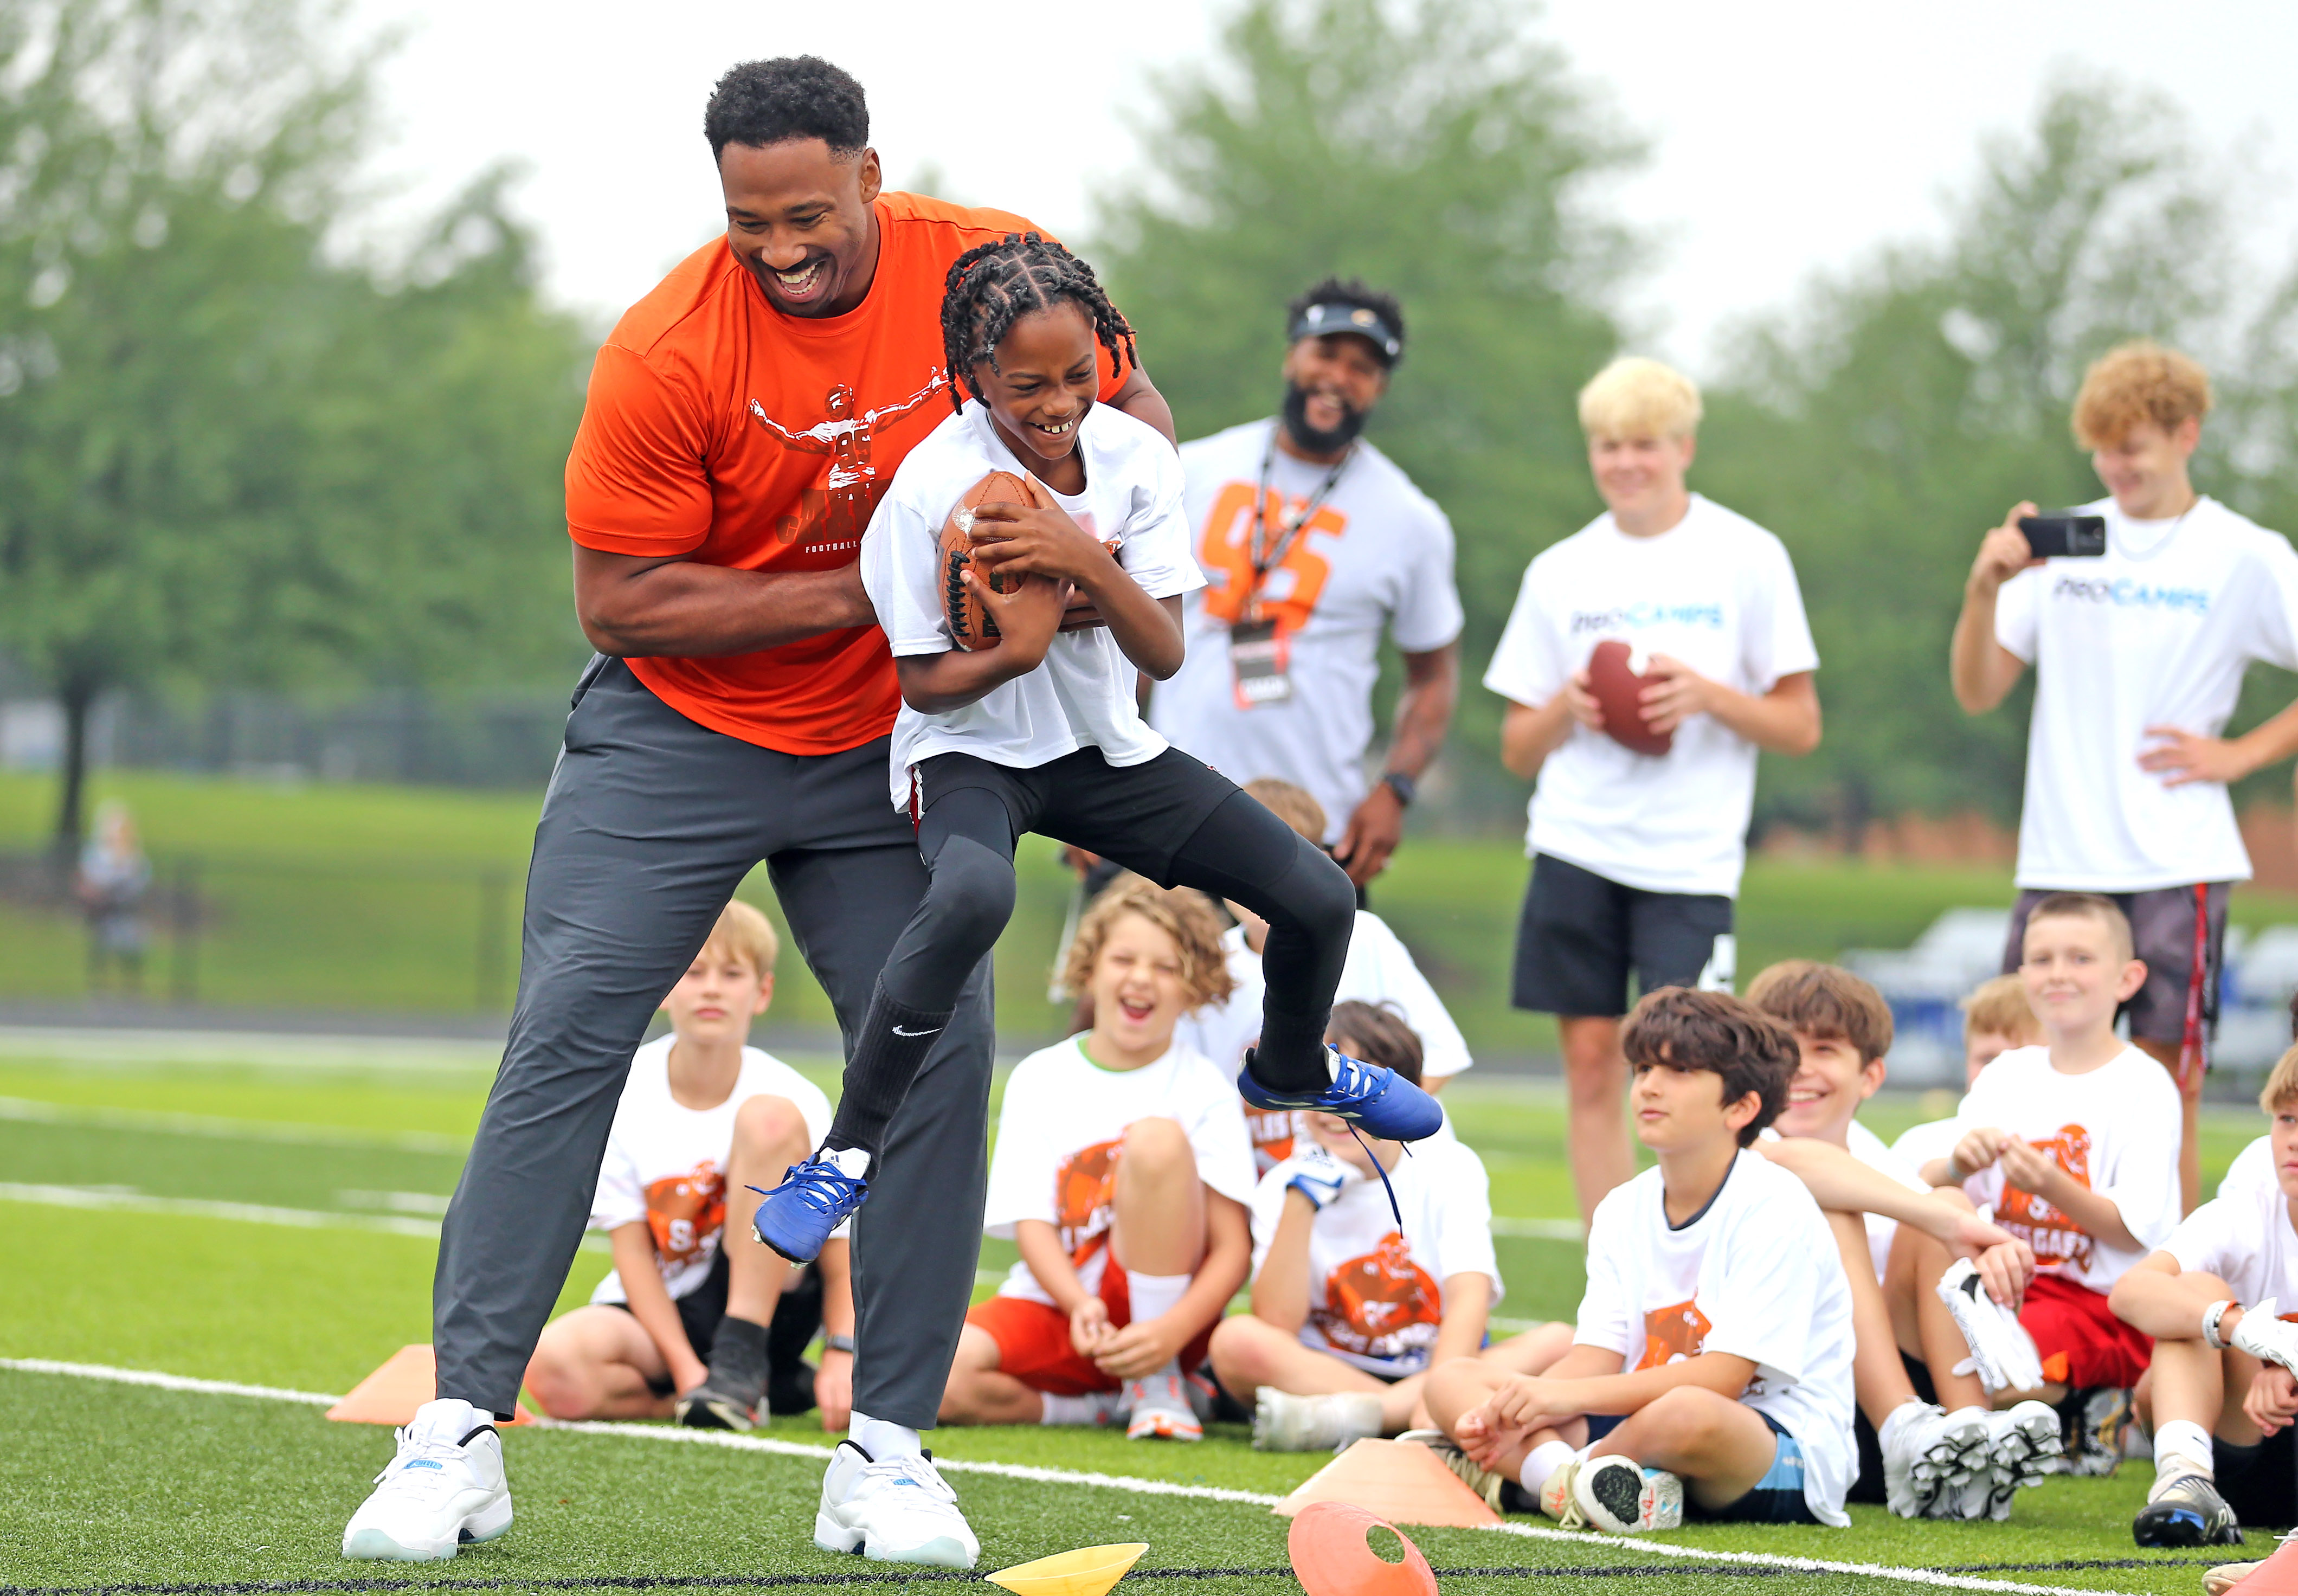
x,y
638,605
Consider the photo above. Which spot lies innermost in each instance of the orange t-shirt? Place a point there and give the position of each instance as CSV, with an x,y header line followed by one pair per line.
x,y
723,431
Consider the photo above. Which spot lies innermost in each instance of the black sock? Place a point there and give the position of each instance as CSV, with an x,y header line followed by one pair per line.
x,y
1515,1498
888,1055
738,1359
1290,1057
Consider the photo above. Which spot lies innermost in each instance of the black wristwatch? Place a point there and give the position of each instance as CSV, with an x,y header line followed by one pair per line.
x,y
1405,787
838,1344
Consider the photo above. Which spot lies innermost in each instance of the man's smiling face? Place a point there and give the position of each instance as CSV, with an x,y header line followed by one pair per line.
x,y
798,215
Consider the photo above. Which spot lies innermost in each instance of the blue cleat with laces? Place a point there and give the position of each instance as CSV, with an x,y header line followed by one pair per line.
x,y
814,1199
1373,1097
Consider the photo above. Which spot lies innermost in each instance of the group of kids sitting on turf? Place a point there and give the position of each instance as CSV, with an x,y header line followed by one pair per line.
x,y
1781,1316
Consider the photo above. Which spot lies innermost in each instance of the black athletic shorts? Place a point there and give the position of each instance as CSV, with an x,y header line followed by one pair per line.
x,y
2260,1482
1139,815
2162,933
797,1316
1869,1486
1581,936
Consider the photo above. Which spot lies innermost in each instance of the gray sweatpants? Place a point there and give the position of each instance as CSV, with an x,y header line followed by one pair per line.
x,y
650,822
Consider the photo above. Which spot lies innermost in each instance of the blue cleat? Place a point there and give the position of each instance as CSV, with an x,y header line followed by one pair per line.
x,y
1372,1097
814,1199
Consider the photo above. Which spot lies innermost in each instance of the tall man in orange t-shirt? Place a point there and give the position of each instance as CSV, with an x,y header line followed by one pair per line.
x,y
743,420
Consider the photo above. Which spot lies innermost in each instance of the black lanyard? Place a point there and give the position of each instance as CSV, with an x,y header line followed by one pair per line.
x,y
1266,558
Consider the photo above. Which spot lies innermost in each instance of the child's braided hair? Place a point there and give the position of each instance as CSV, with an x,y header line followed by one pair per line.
x,y
993,285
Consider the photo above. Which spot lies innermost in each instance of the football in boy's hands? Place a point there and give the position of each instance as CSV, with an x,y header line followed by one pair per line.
x,y
971,624
1617,686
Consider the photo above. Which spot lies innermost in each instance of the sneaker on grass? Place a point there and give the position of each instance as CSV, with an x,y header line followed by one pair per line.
x,y
1158,1409
1283,1422
735,1386
2093,1421
1924,1448
898,1510
1614,1495
1490,1484
2184,1508
445,1487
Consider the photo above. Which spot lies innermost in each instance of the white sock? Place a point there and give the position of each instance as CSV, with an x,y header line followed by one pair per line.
x,y
882,1439
1156,1295
1092,1408
1545,1459
2182,1446
852,1162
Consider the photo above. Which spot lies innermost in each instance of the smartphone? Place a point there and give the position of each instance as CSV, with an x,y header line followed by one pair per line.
x,y
2065,537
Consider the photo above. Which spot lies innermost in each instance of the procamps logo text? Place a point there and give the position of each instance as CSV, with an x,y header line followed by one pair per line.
x,y
2127,592
1635,617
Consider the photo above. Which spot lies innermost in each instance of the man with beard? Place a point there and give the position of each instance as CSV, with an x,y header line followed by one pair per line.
x,y
1312,541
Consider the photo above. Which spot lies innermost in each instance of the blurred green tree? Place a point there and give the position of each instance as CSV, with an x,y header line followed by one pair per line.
x,y
1440,150
230,450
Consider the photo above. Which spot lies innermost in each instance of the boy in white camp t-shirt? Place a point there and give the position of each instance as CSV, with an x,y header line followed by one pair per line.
x,y
1636,857
1352,1303
2223,1395
2075,1143
686,1312
1122,1171
1711,1368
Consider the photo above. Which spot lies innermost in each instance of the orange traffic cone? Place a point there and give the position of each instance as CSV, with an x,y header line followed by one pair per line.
x,y
407,1378
1401,1480
2276,1576
1332,1558
1090,1571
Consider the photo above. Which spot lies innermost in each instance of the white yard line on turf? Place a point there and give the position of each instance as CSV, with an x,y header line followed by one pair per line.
x,y
237,1130
1065,1477
106,1200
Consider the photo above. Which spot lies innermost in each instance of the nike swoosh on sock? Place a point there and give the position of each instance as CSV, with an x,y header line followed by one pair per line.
x,y
900,1032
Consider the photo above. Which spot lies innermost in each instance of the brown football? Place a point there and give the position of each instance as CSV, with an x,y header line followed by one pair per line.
x,y
1618,689
971,624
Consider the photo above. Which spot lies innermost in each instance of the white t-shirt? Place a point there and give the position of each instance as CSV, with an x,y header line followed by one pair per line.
x,y
1083,695
2245,1239
2157,632
1756,1274
1868,1148
1060,1133
2253,1170
1375,1293
666,1163
1378,553
1714,591
1918,1144
2115,1130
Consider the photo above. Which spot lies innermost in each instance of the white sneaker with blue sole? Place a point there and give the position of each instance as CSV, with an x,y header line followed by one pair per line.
x,y
445,1487
894,1510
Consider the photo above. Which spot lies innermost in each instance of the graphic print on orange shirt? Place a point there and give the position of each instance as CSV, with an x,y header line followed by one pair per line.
x,y
1676,1332
832,517
2058,1241
1085,1192
1225,548
686,1212
1381,1305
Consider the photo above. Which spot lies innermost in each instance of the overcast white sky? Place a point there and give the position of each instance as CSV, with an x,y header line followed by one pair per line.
x,y
1789,136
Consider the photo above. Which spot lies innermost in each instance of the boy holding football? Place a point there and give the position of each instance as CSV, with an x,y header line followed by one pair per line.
x,y
1637,856
1711,1370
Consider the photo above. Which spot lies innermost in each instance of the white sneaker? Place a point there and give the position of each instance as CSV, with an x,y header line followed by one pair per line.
x,y
1926,1447
2267,1338
2002,1353
1620,1495
1283,1422
2028,1442
895,1512
1159,1410
445,1487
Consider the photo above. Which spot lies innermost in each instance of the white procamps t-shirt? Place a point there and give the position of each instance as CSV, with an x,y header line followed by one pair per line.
x,y
666,1163
1378,553
1083,695
2114,1128
2156,632
1061,1131
2253,1168
1714,591
2245,1239
1756,1274
1376,1292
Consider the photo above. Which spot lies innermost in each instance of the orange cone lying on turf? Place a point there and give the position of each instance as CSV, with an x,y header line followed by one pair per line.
x,y
409,1378
1332,1558
2277,1575
1089,1571
1401,1480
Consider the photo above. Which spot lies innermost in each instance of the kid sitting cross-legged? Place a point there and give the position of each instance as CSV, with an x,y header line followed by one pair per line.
x,y
1711,1366
1351,1309
2076,1145
2223,1396
1121,1171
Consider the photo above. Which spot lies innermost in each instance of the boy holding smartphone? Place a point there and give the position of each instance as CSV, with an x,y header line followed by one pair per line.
x,y
2139,655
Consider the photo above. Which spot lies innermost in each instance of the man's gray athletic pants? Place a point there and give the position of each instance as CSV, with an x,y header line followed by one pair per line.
x,y
650,822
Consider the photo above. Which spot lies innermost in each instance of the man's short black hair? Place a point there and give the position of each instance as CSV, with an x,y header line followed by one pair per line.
x,y
1353,291
763,102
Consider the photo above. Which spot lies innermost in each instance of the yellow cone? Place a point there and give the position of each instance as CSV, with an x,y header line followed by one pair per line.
x,y
1088,1571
